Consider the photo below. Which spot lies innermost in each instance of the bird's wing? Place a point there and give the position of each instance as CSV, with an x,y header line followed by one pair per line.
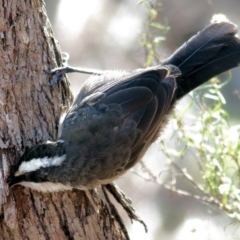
x,y
114,81
143,96
115,124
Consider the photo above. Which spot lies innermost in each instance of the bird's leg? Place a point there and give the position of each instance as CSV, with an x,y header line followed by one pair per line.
x,y
104,198
99,192
59,71
125,202
119,196
90,198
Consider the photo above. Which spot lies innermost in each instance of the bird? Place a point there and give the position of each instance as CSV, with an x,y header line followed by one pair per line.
x,y
117,115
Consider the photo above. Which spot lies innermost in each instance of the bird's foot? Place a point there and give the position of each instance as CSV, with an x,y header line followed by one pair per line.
x,y
90,198
59,71
101,195
125,202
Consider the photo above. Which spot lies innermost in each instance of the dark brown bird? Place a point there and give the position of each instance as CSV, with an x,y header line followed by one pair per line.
x,y
117,115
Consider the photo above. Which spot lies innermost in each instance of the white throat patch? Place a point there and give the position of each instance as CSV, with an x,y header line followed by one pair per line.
x,y
37,163
46,186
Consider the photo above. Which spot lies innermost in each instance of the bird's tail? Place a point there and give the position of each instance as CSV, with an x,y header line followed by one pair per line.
x,y
212,51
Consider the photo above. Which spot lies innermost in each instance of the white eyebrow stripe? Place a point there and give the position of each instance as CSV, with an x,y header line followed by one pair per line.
x,y
37,163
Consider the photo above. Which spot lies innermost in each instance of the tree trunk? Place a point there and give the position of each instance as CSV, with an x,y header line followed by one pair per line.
x,y
29,114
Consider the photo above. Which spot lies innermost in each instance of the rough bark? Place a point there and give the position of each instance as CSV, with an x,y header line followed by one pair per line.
x,y
29,114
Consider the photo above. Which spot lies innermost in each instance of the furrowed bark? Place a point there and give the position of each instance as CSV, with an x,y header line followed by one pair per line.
x,y
29,114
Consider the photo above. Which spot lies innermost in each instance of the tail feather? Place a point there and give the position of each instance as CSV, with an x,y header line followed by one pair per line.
x,y
212,51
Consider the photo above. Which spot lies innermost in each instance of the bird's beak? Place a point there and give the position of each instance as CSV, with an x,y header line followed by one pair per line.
x,y
12,180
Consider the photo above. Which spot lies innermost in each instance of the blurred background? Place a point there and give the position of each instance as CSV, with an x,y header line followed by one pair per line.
x,y
105,35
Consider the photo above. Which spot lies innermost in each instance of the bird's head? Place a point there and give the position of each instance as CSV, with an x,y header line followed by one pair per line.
x,y
34,167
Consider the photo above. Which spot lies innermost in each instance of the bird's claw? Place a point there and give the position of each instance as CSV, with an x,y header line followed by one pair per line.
x,y
59,71
57,74
125,202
